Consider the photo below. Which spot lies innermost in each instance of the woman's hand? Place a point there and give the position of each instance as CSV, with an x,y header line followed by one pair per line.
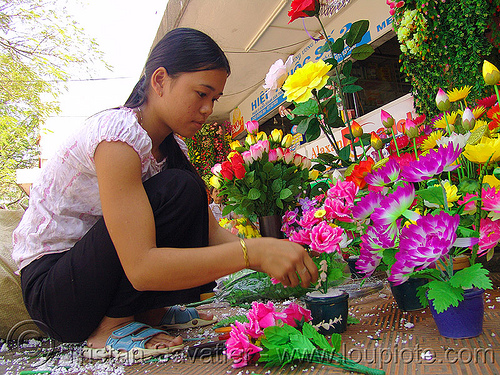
x,y
284,260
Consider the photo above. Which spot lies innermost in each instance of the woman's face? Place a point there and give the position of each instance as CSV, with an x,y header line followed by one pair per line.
x,y
188,99
217,199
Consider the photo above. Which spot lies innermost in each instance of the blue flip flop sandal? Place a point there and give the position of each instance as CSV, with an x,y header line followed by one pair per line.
x,y
128,343
180,317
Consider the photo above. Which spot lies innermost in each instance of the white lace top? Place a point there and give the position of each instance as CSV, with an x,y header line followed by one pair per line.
x,y
64,202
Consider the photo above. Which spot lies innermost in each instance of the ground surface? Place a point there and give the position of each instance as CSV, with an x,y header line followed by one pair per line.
x,y
386,338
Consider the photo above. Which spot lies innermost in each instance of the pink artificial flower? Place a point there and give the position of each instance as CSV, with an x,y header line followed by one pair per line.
x,y
216,169
256,151
306,163
308,220
297,160
273,155
491,202
262,316
280,153
489,235
325,238
252,127
387,119
288,156
337,209
470,207
302,237
295,313
238,346
344,190
247,157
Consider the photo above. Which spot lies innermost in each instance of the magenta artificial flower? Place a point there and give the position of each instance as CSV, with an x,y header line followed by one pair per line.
x,y
308,220
338,209
470,205
238,346
366,205
261,316
302,237
489,235
296,313
387,119
368,260
491,202
273,155
344,190
393,206
432,164
252,127
385,175
426,241
325,238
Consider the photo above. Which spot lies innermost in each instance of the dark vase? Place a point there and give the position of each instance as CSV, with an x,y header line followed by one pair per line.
x,y
463,321
270,226
351,262
405,294
332,310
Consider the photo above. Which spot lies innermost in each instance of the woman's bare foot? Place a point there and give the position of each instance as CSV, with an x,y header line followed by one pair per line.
x,y
153,317
98,338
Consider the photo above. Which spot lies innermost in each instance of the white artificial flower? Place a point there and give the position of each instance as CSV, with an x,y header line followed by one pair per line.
x,y
278,72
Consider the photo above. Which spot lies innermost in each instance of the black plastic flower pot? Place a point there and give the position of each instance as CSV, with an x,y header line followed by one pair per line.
x,y
405,294
329,314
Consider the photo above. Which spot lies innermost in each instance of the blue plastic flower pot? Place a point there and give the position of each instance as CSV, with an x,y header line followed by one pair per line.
x,y
405,294
463,321
329,310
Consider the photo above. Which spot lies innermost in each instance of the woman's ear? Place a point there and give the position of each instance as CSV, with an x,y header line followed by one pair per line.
x,y
159,80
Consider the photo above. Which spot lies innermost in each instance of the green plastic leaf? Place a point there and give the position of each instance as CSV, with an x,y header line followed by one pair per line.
x,y
307,108
356,32
389,256
350,89
422,295
276,335
435,194
345,153
338,46
324,48
473,276
329,158
362,52
313,130
304,125
332,61
301,342
349,80
279,203
318,339
347,69
443,295
335,122
336,340
268,166
254,194
276,185
285,193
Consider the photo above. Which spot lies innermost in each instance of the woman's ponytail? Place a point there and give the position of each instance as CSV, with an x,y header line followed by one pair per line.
x,y
138,95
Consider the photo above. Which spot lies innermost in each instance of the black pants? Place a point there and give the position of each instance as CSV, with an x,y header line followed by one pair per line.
x,y
69,293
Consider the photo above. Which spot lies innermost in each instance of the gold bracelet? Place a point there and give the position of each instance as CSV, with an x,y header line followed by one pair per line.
x,y
245,252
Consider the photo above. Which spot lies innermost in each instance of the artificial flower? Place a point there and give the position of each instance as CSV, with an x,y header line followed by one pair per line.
x,y
492,181
338,209
215,182
261,316
295,313
468,119
360,171
276,135
487,148
356,129
442,100
343,190
491,202
411,129
238,346
325,238
277,73
312,76
487,102
364,208
489,235
491,74
252,127
478,111
402,142
385,175
433,163
387,119
449,117
459,94
458,140
469,202
404,159
375,141
393,206
235,145
287,141
303,8
431,141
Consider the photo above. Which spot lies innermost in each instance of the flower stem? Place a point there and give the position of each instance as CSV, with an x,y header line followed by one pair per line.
x,y
415,148
363,147
379,155
394,139
496,91
447,125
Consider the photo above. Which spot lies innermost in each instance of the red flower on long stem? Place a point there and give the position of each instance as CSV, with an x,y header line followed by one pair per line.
x,y
360,171
299,7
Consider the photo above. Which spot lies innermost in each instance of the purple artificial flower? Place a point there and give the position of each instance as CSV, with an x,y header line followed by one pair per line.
x,y
368,260
393,206
373,242
431,164
307,204
366,205
385,175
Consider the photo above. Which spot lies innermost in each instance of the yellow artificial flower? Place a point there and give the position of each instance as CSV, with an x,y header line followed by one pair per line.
x,y
298,86
287,141
492,181
480,152
235,144
478,111
276,135
451,193
215,182
441,123
313,174
319,213
261,136
491,74
458,94
430,142
250,139
479,123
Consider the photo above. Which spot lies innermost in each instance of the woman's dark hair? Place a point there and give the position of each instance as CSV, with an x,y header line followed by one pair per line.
x,y
181,50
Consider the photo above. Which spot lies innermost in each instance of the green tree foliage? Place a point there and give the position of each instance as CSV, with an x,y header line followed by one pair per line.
x,y
40,46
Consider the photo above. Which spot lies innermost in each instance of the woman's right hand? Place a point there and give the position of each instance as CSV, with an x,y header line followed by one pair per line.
x,y
284,260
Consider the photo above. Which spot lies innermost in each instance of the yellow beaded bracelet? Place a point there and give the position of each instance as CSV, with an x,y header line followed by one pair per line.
x,y
245,252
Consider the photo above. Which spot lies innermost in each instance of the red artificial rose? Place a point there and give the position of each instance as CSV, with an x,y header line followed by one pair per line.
x,y
239,171
360,171
402,140
299,6
236,158
226,170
